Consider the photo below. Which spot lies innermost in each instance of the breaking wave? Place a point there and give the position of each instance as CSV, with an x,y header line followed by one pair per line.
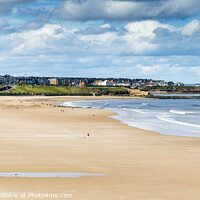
x,y
172,120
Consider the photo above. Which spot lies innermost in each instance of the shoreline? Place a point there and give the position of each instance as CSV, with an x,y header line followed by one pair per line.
x,y
151,96
141,164
120,120
52,100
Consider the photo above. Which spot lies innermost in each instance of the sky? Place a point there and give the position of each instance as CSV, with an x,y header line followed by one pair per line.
x,y
158,39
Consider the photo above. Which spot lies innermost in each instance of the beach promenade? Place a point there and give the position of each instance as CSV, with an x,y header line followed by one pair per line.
x,y
35,136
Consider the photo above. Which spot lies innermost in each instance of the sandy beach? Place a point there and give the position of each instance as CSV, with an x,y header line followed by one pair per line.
x,y
35,136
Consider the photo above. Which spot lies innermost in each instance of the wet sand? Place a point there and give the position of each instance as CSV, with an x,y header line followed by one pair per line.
x,y
139,164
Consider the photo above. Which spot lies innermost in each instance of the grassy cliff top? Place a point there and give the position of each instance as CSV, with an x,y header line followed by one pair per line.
x,y
63,90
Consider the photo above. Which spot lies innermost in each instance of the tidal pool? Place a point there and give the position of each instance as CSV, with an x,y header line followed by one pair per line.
x,y
46,174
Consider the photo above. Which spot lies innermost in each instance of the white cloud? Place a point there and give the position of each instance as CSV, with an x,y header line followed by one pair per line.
x,y
105,26
35,40
191,28
146,28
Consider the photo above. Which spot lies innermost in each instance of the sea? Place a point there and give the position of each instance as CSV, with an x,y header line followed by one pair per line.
x,y
180,117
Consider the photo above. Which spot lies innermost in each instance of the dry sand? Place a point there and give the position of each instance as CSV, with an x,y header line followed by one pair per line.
x,y
139,164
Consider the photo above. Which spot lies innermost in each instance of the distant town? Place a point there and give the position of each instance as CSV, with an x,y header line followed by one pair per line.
x,y
71,81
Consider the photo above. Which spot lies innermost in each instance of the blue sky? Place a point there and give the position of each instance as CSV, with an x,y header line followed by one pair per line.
x,y
157,39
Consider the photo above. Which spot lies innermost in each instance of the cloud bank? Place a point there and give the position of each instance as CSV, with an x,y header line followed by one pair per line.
x,y
6,6
43,37
126,10
139,49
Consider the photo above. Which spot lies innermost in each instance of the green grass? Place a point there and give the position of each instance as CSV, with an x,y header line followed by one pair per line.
x,y
63,90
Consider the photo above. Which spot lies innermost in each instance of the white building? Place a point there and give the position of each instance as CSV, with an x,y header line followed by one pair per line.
x,y
123,84
160,83
106,83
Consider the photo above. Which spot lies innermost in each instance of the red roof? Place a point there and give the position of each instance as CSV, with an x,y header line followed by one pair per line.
x,y
83,83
